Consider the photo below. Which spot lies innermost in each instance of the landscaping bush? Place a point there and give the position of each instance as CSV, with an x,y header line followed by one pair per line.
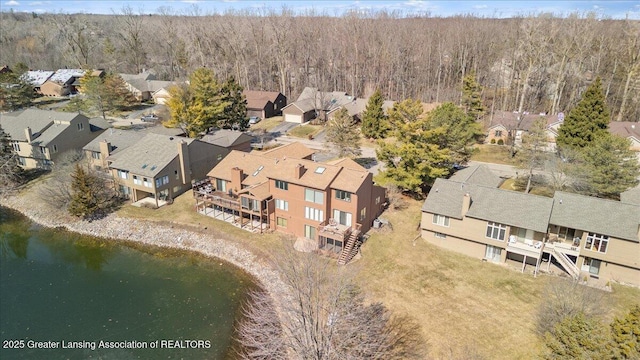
x,y
493,141
500,142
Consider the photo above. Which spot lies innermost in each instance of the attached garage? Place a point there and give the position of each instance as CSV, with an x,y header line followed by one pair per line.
x,y
294,118
299,112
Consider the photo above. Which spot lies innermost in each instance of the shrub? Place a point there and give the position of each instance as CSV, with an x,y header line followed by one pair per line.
x,y
493,141
500,142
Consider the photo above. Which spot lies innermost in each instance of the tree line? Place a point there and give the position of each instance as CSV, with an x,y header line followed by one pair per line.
x,y
537,63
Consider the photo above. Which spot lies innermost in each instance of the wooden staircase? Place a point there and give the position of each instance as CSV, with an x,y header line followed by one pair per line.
x,y
350,249
566,263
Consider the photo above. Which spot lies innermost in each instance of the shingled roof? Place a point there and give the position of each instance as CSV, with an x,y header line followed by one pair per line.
x,y
477,175
44,124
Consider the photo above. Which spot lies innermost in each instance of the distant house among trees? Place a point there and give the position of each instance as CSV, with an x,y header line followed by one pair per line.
x,y
37,78
61,83
264,104
313,103
144,86
506,127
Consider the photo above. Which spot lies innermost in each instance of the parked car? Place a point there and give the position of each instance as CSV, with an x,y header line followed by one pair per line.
x,y
254,120
150,118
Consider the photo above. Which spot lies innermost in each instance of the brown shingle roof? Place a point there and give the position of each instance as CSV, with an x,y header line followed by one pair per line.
x,y
294,150
625,129
258,99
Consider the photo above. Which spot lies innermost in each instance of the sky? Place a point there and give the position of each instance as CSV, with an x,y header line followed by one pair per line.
x,y
499,9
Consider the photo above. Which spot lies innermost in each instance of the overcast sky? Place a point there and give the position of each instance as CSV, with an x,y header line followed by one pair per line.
x,y
613,9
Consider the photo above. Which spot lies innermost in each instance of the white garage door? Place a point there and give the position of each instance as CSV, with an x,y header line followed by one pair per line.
x,y
293,118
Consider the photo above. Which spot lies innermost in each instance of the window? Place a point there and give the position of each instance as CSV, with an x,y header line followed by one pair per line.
x,y
136,180
320,170
492,253
441,220
250,204
282,185
219,157
591,265
344,195
313,214
162,181
124,190
281,222
282,205
498,133
496,231
310,232
313,196
95,155
146,182
440,235
378,200
80,126
597,242
54,148
177,189
125,175
16,146
221,185
342,217
22,161
363,213
43,149
175,173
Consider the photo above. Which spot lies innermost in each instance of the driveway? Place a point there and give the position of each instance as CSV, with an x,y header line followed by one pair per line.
x,y
281,129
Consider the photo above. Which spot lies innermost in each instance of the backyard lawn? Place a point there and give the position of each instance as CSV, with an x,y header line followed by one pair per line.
x,y
267,124
496,154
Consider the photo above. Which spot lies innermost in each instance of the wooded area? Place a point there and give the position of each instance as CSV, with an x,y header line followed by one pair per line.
x,y
537,64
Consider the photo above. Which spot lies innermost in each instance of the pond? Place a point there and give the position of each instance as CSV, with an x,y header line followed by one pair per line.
x,y
67,296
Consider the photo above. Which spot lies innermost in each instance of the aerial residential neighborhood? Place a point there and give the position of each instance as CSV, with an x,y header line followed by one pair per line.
x,y
372,183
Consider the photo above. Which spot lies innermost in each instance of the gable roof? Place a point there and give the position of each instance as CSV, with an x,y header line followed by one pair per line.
x,y
513,120
490,204
294,150
258,99
607,217
149,155
625,129
37,77
145,75
62,76
478,175
45,125
326,101
226,138
347,163
631,196
121,139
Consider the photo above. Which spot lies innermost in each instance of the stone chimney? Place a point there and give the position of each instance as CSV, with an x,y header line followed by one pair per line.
x,y
466,203
105,148
28,134
236,178
183,156
299,171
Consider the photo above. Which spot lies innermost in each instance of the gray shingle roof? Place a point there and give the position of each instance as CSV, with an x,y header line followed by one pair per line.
x,y
150,155
118,138
491,204
606,217
41,123
478,175
226,138
631,196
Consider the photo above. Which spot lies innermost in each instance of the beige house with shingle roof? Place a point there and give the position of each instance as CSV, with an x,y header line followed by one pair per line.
x,y
331,204
585,236
162,167
39,137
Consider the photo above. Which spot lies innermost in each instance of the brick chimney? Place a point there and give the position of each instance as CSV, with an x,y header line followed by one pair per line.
x,y
236,178
299,171
466,203
28,134
183,156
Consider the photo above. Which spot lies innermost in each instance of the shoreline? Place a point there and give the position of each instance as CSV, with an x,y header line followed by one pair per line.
x,y
116,228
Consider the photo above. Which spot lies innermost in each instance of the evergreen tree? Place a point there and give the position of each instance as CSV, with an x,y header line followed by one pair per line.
x,y
106,95
609,166
15,92
89,193
9,170
472,97
414,159
625,334
342,132
460,131
578,337
93,93
235,112
587,121
374,120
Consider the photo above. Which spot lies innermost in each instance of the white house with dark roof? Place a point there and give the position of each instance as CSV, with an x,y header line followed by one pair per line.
x,y
586,237
40,136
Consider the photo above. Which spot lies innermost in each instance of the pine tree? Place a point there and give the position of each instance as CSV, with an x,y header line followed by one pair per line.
x,y
10,172
118,97
609,166
460,131
84,201
578,337
625,333
15,92
472,97
235,112
374,120
587,121
342,132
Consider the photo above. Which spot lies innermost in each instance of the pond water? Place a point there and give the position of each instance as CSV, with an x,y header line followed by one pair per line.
x,y
66,296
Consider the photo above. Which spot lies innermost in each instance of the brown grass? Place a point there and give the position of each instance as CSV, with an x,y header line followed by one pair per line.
x,y
496,154
267,124
305,131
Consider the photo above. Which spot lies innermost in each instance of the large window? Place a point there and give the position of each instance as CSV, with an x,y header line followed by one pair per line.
x,y
250,204
597,242
95,155
496,231
310,232
221,185
441,220
591,265
282,222
313,214
146,182
162,181
136,180
124,174
343,195
16,146
313,196
342,217
282,185
282,205
492,253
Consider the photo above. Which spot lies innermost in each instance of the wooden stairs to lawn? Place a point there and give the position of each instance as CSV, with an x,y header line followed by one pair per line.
x,y
350,249
566,263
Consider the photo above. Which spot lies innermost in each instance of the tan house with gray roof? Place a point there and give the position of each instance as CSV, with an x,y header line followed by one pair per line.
x,y
39,137
329,204
584,236
162,167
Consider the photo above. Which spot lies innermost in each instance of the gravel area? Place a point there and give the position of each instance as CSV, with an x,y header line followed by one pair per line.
x,y
151,233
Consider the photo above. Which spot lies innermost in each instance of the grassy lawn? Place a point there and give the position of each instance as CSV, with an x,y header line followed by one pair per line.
x,y
493,154
304,131
267,124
